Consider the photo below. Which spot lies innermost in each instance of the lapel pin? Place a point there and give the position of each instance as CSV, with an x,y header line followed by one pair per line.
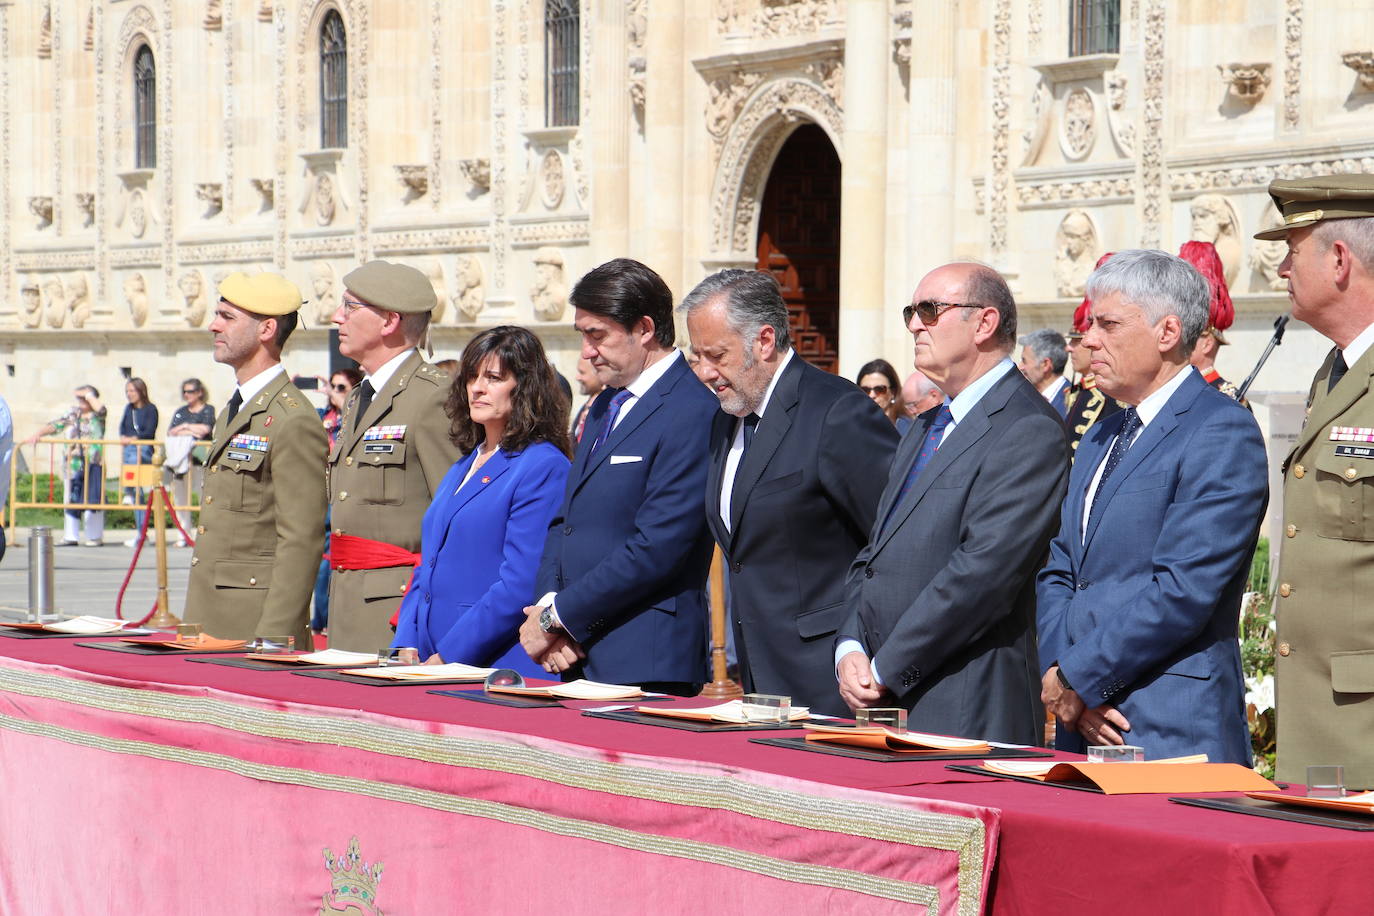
x,y
486,479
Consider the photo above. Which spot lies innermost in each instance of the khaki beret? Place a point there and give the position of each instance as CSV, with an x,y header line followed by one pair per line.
x,y
1308,201
262,294
394,287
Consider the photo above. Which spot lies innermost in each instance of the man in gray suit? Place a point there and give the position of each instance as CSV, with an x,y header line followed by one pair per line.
x,y
942,600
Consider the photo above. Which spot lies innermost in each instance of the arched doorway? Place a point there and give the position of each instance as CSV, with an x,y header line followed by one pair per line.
x,y
799,241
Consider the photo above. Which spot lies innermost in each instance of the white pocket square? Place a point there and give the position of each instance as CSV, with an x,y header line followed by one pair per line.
x,y
626,459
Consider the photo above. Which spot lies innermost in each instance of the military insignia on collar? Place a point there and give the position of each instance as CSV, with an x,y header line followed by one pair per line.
x,y
253,443
267,422
1352,434
385,432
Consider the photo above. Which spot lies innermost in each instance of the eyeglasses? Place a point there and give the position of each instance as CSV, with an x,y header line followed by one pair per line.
x,y
352,305
341,388
873,389
190,391
929,311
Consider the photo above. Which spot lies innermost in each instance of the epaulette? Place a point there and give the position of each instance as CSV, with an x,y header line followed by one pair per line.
x,y
432,374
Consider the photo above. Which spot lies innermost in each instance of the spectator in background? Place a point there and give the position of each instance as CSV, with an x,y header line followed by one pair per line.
x,y
919,394
590,386
1043,357
341,385
85,480
192,422
878,380
139,422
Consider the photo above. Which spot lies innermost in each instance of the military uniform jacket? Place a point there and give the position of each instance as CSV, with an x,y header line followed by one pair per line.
x,y
1324,664
261,527
382,476
1087,405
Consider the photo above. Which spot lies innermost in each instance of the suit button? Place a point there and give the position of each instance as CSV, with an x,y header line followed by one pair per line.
x,y
349,461
1084,584
195,561
1284,649
1285,589
215,469
868,572
1351,473
252,580
734,567
1291,531
1299,471
567,530
200,529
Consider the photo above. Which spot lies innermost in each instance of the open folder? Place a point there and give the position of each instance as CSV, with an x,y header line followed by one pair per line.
x,y
1176,774
85,625
573,690
878,738
322,657
201,643
1352,804
731,712
453,671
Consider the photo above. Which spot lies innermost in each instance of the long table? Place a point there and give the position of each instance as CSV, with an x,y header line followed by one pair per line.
x,y
170,786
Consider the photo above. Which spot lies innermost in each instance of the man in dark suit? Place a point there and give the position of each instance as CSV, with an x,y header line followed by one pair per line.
x,y
623,574
1043,357
942,600
798,461
1139,602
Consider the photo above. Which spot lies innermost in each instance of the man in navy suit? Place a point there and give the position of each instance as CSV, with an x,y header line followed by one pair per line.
x,y
798,460
623,574
1139,602
1044,354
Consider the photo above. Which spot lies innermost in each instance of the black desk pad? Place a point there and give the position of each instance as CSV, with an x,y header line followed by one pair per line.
x,y
1076,786
518,702
338,675
686,725
1261,808
863,753
8,633
153,649
253,664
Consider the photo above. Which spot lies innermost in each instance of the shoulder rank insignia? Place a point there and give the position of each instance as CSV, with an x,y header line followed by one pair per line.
x,y
254,443
1352,434
385,432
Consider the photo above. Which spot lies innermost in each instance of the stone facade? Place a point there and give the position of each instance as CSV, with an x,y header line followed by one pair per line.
x,y
964,129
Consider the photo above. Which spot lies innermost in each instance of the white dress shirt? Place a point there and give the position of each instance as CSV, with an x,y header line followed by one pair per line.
x,y
386,370
732,460
250,389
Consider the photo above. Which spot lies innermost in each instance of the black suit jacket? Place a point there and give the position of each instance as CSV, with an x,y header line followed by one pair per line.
x,y
943,596
803,502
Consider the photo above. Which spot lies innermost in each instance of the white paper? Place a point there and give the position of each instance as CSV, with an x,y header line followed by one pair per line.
x,y
89,625
337,657
451,671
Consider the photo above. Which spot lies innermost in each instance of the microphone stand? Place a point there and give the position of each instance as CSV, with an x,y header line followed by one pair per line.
x,y
1280,323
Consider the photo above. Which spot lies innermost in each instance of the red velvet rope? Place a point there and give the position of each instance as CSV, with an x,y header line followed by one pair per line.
x,y
157,492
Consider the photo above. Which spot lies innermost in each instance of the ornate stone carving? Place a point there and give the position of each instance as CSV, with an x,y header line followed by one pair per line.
x,y
1032,194
324,199
30,304
78,299
41,208
1076,250
214,16
137,212
434,270
549,292
1213,219
264,10
54,301
499,128
326,297
999,181
211,193
1362,62
477,172
636,29
551,179
1245,83
1265,256
1258,175
136,296
1033,27
266,189
414,180
901,38
471,287
1292,66
777,18
560,232
726,99
728,14
1150,167
192,287
85,202
1123,131
1080,128
88,41
460,238
44,51
581,174
830,75
1038,118
238,251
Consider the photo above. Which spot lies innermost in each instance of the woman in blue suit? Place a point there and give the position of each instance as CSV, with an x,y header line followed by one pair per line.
x,y
484,532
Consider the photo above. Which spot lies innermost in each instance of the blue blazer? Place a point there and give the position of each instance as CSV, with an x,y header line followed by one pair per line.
x,y
1142,613
628,551
480,551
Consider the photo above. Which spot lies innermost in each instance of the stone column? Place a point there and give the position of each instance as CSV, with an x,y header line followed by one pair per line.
x,y
863,183
665,135
931,138
610,134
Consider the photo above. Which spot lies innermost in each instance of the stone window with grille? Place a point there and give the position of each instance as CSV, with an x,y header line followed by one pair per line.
x,y
1094,27
145,109
561,46
333,82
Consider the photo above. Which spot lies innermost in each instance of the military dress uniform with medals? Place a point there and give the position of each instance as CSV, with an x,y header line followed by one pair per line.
x,y
383,472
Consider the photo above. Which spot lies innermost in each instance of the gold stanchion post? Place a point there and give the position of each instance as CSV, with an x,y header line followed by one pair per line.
x,y
721,687
163,619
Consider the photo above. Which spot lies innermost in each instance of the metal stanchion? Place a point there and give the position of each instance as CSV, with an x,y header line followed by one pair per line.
x,y
40,575
163,619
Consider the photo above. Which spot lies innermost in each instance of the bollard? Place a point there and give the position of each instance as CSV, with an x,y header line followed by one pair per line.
x,y
40,574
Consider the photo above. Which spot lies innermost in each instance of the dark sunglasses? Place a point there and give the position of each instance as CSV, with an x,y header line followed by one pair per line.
x,y
929,311
190,391
341,388
873,389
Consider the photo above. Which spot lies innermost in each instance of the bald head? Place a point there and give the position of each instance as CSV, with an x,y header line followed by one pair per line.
x,y
919,394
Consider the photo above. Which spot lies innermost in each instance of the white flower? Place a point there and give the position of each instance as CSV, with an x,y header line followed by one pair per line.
x,y
1259,692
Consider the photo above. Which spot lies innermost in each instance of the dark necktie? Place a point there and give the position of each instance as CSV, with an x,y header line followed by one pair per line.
x,y
751,421
365,393
1338,369
608,424
1129,428
929,447
234,404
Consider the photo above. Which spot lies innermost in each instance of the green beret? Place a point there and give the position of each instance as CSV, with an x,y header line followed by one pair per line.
x,y
262,294
1308,201
394,287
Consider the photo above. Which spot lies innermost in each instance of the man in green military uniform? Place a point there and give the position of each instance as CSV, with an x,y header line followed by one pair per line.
x,y
1325,643
262,509
391,452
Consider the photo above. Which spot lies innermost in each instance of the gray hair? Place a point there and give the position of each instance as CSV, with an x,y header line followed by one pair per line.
x,y
1356,232
752,300
1047,343
986,287
1159,284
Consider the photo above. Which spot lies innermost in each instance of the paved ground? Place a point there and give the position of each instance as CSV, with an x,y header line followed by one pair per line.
x,y
86,580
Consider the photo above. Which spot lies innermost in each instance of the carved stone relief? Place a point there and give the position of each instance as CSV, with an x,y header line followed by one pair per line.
x,y
264,10
45,34
1123,130
1246,83
726,98
41,208
414,181
192,287
78,299
1362,62
636,29
137,211
1292,67
477,172
30,304
999,179
54,301
266,189
214,16
551,179
777,18
1213,219
434,271
1080,128
1150,163
1076,251
210,193
326,298
136,296
1265,257
1033,137
85,203
549,292
471,287
728,13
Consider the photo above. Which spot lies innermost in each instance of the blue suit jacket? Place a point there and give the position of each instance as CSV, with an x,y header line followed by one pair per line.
x,y
628,551
1142,613
480,552
1060,401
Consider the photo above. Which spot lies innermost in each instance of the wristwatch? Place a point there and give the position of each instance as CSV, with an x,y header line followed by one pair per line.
x,y
547,622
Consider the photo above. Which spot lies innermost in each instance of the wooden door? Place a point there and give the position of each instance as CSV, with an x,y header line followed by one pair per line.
x,y
799,242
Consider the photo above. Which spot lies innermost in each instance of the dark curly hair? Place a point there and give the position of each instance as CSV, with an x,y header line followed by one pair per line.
x,y
539,409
